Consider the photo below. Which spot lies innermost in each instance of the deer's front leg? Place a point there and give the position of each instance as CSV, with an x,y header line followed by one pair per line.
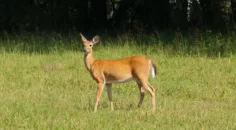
x,y
99,92
109,93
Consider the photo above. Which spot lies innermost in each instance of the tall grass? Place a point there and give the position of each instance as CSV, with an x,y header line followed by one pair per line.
x,y
44,85
195,44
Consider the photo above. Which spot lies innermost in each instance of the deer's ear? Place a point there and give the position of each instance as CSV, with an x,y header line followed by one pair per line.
x,y
83,38
95,39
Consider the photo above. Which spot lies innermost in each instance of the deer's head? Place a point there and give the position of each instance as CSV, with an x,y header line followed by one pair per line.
x,y
88,45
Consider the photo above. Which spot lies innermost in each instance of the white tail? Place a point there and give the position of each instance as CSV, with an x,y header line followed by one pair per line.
x,y
153,68
106,72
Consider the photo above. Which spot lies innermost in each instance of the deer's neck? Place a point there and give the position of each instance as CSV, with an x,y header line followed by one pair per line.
x,y
88,60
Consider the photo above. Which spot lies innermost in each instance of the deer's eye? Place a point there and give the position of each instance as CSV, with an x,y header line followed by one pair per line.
x,y
90,45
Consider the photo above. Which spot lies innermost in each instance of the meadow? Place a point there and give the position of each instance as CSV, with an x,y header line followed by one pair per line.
x,y
44,84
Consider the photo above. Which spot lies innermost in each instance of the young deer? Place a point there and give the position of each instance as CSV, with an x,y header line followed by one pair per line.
x,y
106,72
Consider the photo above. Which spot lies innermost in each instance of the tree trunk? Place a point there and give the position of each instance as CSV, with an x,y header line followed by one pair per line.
x,y
233,7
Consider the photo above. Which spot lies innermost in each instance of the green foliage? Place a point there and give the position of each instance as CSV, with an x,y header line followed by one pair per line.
x,y
47,86
122,15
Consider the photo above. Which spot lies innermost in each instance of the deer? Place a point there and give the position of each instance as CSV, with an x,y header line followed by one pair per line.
x,y
107,72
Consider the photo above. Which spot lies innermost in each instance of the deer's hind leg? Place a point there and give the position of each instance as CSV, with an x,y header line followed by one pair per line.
x,y
142,93
145,85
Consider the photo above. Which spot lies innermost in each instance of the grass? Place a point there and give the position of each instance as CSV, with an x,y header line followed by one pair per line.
x,y
53,90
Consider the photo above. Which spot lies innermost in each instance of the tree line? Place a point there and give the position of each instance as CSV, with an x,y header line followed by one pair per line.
x,y
122,15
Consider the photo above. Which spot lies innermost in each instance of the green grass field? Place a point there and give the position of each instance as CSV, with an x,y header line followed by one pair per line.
x,y
54,91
